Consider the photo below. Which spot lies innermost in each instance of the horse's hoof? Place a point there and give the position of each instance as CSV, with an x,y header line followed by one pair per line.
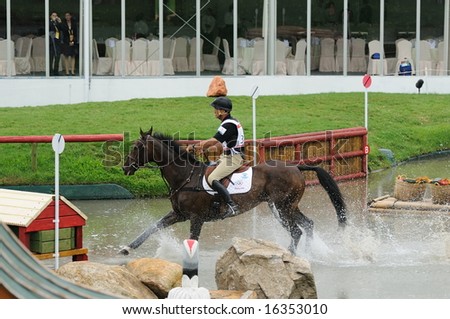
x,y
125,251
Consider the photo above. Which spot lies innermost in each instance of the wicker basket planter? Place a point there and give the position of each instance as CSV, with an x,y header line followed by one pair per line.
x,y
409,192
440,194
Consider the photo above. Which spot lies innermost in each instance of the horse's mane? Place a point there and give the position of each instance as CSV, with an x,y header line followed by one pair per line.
x,y
176,147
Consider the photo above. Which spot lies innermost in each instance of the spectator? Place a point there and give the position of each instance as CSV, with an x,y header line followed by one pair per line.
x,y
330,13
228,29
69,45
209,30
55,43
140,27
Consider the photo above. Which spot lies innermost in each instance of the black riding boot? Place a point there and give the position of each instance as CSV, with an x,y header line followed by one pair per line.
x,y
232,207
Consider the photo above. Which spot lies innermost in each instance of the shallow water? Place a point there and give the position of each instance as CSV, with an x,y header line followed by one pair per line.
x,y
378,256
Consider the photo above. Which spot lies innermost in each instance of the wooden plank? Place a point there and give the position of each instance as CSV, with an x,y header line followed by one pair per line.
x,y
28,203
6,211
64,222
65,207
22,195
67,253
394,212
78,237
73,207
389,204
422,205
25,204
64,210
15,220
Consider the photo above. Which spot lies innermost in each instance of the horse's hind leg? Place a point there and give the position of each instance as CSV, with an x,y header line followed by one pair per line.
x,y
306,223
283,215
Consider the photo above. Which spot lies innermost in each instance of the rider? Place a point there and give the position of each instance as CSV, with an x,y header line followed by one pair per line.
x,y
231,135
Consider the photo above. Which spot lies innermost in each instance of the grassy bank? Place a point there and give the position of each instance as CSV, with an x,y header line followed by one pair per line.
x,y
409,125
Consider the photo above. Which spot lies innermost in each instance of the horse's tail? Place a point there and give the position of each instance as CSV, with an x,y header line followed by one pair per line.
x,y
332,189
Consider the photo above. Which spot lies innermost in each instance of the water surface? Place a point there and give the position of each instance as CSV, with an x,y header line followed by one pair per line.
x,y
378,256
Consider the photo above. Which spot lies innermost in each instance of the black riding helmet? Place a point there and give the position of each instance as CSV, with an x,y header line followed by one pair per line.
x,y
222,103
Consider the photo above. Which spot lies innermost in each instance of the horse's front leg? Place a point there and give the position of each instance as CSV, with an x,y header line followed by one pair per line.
x,y
171,218
196,228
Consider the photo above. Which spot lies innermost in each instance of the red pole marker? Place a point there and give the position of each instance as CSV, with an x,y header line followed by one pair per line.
x,y
367,81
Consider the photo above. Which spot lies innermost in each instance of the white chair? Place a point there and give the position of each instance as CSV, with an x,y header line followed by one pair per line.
x,y
38,55
23,55
258,64
229,61
280,58
425,64
340,54
138,64
193,55
404,52
168,61
167,46
15,37
122,66
7,67
100,65
180,60
374,65
397,41
18,44
440,65
296,66
358,60
110,44
239,41
212,60
153,65
327,61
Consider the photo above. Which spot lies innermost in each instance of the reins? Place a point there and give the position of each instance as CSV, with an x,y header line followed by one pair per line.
x,y
172,192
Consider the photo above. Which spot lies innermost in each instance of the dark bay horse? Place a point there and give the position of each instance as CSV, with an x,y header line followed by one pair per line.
x,y
278,184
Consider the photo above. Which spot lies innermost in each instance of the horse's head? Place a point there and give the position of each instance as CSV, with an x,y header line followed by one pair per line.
x,y
138,156
160,149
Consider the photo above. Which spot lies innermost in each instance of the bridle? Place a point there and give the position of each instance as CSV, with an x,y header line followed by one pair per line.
x,y
135,162
135,165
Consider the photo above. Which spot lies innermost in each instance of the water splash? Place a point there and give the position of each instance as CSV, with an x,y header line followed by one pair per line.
x,y
351,246
169,247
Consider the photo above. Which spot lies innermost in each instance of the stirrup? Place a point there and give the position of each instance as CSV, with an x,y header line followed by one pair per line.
x,y
232,210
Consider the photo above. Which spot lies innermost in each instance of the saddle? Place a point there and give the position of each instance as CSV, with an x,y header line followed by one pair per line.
x,y
227,179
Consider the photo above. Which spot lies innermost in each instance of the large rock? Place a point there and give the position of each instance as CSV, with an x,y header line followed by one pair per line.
x,y
232,294
115,280
266,268
157,274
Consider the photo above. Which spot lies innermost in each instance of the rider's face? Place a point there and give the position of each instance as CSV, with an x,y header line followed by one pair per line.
x,y
217,113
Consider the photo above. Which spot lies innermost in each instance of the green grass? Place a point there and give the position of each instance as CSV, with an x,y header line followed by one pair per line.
x,y
408,124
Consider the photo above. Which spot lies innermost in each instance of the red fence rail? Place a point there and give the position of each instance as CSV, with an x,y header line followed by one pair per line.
x,y
67,138
34,140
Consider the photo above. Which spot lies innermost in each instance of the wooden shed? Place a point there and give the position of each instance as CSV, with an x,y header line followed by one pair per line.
x,y
31,217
